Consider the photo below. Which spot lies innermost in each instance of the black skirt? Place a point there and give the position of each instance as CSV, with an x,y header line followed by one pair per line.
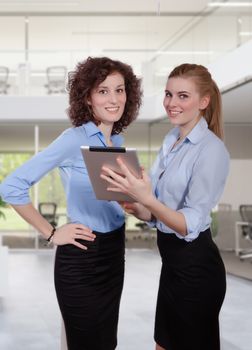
x,y
88,286
191,291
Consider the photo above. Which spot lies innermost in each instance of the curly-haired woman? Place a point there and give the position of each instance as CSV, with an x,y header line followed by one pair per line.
x,y
105,97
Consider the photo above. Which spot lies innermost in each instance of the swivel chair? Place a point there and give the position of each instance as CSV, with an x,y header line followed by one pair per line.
x,y
56,79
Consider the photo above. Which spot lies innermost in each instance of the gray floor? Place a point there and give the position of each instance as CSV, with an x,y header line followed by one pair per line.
x,y
30,320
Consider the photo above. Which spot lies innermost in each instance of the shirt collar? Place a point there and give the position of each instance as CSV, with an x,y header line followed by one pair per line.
x,y
91,130
198,132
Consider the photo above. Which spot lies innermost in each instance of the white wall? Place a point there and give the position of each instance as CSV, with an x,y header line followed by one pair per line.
x,y
238,189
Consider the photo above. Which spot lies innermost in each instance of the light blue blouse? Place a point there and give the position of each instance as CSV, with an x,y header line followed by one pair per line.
x,y
64,153
190,178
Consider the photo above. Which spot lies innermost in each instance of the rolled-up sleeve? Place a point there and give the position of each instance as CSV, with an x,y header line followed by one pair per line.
x,y
15,188
205,187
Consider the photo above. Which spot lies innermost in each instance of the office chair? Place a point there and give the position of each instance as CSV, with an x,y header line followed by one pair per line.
x,y
246,215
48,211
145,231
56,79
4,75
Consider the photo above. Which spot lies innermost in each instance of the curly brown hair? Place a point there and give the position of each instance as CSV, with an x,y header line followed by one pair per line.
x,y
87,76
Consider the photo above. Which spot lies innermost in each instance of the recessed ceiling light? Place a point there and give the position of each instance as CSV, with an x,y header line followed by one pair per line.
x,y
161,52
113,33
184,52
229,4
40,3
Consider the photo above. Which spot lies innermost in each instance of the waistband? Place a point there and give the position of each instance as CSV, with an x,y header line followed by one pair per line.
x,y
173,237
110,233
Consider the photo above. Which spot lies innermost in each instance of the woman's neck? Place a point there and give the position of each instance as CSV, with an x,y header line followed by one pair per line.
x,y
184,130
107,131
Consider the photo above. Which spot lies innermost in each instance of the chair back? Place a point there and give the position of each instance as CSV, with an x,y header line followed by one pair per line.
x,y
246,215
56,79
48,211
246,212
4,75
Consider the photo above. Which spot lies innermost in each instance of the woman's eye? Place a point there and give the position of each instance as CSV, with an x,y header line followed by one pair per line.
x,y
120,91
183,96
102,91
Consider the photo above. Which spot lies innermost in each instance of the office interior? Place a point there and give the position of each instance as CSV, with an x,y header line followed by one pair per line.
x,y
40,43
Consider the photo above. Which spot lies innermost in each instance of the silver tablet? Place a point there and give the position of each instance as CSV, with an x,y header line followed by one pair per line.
x,y
97,157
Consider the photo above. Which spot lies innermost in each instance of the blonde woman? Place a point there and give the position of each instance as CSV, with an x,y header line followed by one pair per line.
x,y
186,182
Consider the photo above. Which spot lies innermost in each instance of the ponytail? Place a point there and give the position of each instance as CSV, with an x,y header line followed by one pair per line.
x,y
213,112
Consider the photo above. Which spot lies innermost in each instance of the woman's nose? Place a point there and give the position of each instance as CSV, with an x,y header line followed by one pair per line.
x,y
113,98
169,102
172,101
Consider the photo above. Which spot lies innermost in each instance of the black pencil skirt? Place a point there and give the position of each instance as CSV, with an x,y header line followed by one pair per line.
x,y
88,286
191,291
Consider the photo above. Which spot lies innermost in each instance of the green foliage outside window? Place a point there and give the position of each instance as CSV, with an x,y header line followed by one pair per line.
x,y
50,190
214,223
2,205
147,158
9,162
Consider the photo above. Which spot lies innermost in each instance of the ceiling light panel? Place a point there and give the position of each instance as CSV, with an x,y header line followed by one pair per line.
x,y
229,4
39,3
245,33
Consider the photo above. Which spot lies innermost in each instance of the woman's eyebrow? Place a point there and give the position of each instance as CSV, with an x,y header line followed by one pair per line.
x,y
178,92
106,87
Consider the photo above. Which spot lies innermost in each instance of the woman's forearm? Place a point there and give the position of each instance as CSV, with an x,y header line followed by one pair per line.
x,y
175,220
66,234
137,209
144,214
34,218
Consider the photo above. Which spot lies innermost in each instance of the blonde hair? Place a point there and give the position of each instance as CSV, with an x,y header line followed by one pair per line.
x,y
205,86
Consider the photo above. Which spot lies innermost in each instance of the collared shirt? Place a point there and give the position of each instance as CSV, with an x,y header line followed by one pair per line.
x,y
65,153
190,177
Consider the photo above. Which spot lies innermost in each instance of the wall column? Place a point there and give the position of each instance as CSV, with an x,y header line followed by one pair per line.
x,y
36,186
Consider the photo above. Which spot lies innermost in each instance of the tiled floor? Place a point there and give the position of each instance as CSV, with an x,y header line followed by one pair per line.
x,y
30,320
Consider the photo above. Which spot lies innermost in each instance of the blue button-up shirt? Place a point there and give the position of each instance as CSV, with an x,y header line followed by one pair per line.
x,y
190,177
64,153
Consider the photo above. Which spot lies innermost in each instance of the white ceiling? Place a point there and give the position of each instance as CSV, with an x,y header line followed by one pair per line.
x,y
154,6
159,7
